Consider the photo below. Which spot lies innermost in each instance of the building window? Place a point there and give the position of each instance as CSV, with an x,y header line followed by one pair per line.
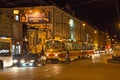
x,y
16,17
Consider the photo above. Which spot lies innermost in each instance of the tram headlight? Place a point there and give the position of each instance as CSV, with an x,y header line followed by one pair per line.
x,y
56,55
47,54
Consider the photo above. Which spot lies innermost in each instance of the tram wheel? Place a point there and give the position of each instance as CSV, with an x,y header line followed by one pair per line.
x,y
1,64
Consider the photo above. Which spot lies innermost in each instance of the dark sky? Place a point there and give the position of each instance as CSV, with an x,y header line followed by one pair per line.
x,y
100,13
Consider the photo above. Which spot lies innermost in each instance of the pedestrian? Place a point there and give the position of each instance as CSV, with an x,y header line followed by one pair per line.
x,y
67,57
41,58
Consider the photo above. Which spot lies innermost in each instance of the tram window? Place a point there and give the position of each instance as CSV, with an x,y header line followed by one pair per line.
x,y
74,46
63,46
58,45
68,46
77,46
49,45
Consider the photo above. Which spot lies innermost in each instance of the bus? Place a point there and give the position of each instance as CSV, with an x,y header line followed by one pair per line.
x,y
58,49
5,52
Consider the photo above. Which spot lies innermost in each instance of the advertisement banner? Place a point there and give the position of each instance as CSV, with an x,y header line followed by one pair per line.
x,y
39,17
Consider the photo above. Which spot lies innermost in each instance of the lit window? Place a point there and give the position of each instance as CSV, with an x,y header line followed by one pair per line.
x,y
71,23
16,12
16,17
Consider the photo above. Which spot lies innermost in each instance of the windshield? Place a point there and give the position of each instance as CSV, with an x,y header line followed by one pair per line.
x,y
54,45
4,49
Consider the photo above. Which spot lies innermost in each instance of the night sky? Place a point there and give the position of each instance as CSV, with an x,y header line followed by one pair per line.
x,y
100,13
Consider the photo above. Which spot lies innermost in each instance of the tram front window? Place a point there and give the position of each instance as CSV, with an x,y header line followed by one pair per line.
x,y
53,45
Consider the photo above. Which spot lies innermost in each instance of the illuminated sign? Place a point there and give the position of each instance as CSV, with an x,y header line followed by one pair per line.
x,y
39,17
4,51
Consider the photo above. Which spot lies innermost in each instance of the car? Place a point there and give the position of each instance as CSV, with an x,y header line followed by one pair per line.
x,y
24,60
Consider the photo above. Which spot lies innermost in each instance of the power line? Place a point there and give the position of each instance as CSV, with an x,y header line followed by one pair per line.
x,y
85,3
117,10
10,3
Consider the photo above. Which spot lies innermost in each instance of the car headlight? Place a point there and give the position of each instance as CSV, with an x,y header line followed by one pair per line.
x,y
32,60
15,61
22,61
30,64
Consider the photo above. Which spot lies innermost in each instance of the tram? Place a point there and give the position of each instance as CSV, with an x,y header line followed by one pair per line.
x,y
88,50
58,49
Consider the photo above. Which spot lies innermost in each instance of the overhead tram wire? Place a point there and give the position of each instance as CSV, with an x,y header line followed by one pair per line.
x,y
85,3
9,3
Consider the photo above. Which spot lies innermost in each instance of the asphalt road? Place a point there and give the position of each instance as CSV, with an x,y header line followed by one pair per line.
x,y
85,69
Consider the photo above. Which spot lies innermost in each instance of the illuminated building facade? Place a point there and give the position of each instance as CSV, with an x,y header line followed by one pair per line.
x,y
11,29
48,22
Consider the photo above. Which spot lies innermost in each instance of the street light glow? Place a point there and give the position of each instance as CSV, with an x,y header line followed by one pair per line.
x,y
119,25
83,24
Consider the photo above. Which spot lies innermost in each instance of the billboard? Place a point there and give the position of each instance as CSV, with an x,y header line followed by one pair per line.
x,y
39,17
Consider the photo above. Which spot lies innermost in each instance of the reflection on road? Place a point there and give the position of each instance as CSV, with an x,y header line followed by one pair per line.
x,y
36,73
96,58
102,58
62,71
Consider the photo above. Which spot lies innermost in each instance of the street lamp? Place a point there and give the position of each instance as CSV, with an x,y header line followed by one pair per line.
x,y
83,24
119,25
